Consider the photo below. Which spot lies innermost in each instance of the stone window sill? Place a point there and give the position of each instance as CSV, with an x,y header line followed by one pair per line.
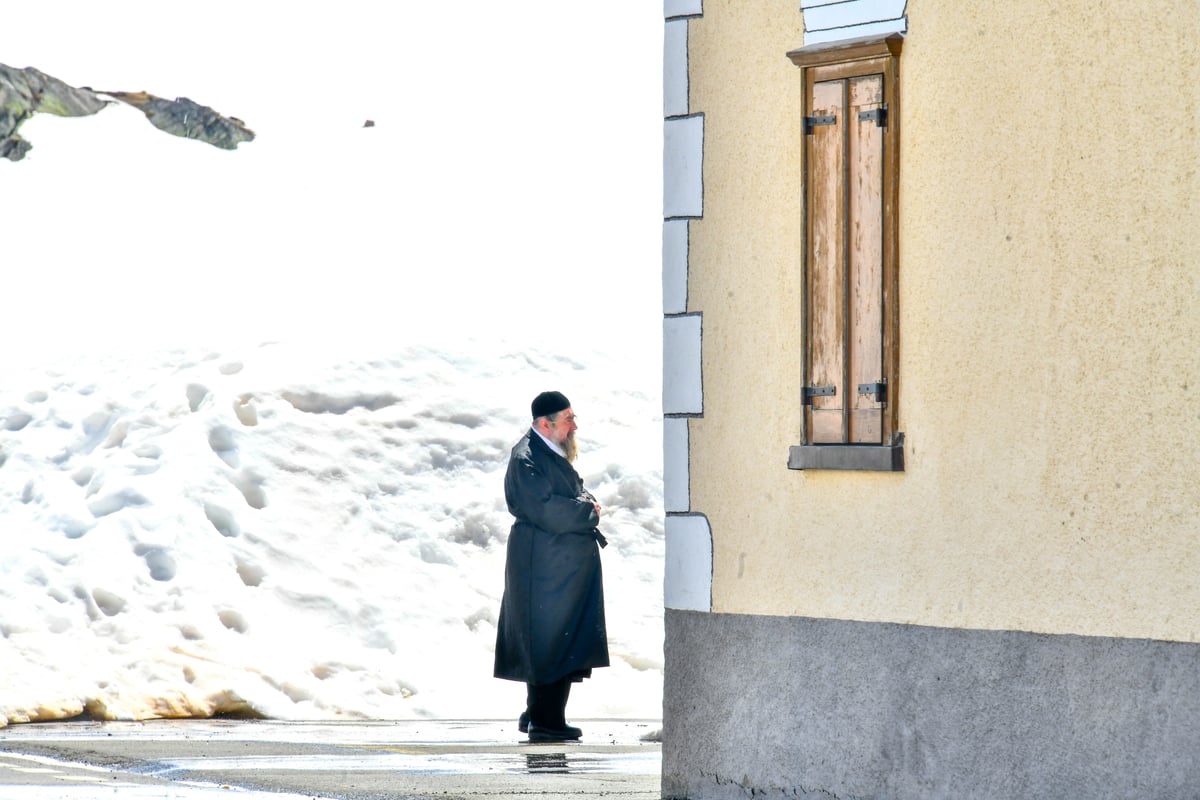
x,y
873,458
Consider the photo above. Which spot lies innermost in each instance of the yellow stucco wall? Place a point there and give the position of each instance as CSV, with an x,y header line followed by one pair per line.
x,y
1049,325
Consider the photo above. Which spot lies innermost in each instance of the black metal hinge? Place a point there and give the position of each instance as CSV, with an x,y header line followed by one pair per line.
x,y
878,391
812,122
878,115
817,391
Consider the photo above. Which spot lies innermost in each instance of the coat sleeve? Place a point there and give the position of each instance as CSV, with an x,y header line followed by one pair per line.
x,y
531,497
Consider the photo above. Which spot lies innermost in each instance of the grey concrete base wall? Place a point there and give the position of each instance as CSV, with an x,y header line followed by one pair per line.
x,y
799,707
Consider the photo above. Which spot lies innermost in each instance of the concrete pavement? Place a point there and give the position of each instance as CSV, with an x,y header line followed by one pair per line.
x,y
378,760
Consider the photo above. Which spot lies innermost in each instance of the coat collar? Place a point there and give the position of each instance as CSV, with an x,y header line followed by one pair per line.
x,y
535,434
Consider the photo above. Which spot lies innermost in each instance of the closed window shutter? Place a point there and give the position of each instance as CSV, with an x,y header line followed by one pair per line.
x,y
844,281
826,306
851,315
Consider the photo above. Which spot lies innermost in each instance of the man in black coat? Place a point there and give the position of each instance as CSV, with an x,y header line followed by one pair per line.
x,y
551,630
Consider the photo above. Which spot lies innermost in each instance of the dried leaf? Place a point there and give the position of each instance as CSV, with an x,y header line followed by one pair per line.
x,y
25,92
187,118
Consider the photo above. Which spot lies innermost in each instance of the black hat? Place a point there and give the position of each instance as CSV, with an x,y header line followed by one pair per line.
x,y
548,403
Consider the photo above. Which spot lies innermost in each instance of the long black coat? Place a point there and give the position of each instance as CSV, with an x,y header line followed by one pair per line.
x,y
552,615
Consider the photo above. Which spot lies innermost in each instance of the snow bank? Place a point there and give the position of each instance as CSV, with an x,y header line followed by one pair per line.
x,y
292,532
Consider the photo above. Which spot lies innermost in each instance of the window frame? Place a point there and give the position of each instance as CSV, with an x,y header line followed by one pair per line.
x,y
840,61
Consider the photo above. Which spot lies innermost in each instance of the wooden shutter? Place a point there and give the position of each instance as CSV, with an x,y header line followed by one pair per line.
x,y
864,260
826,307
846,387
851,318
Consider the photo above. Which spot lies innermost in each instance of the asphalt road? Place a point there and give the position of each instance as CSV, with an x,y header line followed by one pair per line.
x,y
253,760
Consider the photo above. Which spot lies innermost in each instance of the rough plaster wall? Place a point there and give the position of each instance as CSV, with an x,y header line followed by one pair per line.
x,y
1050,306
758,707
744,254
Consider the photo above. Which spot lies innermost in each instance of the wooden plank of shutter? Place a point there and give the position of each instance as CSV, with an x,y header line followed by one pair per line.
x,y
865,259
826,255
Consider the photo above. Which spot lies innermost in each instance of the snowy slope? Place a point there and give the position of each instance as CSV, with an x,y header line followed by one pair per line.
x,y
295,532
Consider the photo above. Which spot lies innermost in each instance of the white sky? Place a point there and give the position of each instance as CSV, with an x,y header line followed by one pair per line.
x,y
511,184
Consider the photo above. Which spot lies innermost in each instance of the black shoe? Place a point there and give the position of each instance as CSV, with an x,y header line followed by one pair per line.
x,y
523,722
564,734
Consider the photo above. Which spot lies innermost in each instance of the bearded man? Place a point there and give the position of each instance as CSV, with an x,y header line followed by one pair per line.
x,y
551,631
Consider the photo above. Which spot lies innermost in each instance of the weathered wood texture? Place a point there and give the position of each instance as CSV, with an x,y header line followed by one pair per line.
x,y
850,260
